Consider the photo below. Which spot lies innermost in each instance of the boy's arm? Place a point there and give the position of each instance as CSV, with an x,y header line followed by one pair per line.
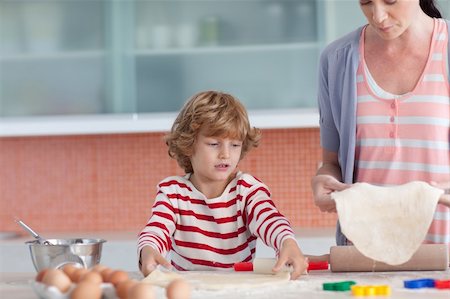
x,y
264,220
267,223
154,241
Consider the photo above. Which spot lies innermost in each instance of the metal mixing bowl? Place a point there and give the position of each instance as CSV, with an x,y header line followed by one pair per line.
x,y
82,252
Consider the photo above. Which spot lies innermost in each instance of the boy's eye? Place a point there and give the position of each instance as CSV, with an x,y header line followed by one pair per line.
x,y
213,143
237,144
364,2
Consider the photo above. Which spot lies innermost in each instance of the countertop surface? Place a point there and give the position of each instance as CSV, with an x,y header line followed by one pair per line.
x,y
18,286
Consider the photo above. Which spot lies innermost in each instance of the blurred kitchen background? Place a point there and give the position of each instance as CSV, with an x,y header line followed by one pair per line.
x,y
88,88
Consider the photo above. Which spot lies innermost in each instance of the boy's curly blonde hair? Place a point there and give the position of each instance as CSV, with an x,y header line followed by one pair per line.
x,y
218,114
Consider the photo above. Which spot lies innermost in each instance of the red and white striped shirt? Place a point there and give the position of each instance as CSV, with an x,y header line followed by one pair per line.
x,y
213,233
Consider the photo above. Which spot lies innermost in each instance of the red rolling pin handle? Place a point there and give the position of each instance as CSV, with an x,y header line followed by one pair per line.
x,y
319,265
243,266
248,266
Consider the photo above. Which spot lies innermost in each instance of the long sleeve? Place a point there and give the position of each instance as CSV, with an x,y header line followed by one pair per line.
x,y
263,218
160,227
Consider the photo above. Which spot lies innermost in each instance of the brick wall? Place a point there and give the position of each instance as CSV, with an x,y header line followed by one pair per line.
x,y
107,182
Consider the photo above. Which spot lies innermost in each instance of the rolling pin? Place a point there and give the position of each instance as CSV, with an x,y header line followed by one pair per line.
x,y
260,266
428,257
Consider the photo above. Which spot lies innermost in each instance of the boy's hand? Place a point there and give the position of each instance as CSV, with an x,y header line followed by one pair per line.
x,y
290,254
150,259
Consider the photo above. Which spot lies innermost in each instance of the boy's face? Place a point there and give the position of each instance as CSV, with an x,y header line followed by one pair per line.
x,y
215,158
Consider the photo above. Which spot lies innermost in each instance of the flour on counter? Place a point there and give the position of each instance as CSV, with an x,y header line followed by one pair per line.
x,y
218,280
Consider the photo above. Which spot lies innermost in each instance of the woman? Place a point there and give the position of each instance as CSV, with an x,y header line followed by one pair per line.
x,y
384,106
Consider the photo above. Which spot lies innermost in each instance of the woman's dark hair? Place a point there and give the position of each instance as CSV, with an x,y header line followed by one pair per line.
x,y
429,7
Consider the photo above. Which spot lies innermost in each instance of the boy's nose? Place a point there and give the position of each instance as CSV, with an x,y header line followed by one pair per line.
x,y
224,152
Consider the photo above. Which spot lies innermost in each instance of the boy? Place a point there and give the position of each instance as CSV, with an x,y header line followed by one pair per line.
x,y
210,218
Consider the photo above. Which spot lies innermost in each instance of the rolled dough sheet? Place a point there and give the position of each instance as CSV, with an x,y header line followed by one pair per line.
x,y
387,224
217,280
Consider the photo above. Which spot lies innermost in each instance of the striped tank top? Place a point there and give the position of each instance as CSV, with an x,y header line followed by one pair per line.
x,y
403,138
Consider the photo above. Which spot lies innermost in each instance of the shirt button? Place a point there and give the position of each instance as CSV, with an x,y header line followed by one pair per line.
x,y
391,134
392,119
392,105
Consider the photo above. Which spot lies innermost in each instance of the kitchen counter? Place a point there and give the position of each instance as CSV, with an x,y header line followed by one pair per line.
x,y
120,249
17,286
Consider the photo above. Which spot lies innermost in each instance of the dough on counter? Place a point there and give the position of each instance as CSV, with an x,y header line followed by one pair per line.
x,y
387,224
217,280
161,277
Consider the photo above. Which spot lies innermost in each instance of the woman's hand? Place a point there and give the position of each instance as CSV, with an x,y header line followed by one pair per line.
x,y
323,185
290,254
327,181
445,198
150,259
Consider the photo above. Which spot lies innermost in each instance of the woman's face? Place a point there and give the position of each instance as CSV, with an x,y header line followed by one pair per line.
x,y
390,18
